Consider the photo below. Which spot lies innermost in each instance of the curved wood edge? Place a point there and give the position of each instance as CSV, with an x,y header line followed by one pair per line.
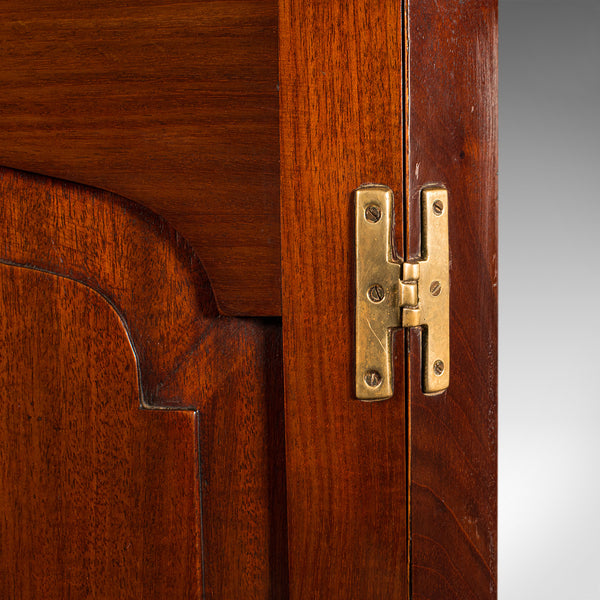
x,y
172,104
229,369
142,266
98,499
99,296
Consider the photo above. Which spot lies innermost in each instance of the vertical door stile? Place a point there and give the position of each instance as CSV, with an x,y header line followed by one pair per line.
x,y
341,126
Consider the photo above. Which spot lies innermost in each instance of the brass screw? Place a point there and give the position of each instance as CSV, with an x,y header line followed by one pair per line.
x,y
438,208
435,288
376,293
373,378
438,367
372,213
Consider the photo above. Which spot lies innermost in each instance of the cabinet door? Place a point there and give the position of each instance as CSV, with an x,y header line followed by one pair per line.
x,y
141,433
152,444
390,499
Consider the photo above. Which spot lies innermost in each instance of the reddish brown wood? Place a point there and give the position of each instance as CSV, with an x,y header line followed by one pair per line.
x,y
99,499
171,104
166,102
341,126
228,370
452,140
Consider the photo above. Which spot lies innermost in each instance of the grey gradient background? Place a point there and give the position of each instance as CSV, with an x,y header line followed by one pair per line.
x,y
549,430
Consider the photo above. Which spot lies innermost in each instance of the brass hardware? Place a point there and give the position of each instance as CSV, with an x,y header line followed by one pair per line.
x,y
376,293
373,213
391,293
373,378
434,308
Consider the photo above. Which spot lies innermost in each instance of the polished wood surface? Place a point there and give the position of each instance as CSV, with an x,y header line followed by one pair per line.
x,y
452,141
171,104
341,126
127,382
99,499
226,370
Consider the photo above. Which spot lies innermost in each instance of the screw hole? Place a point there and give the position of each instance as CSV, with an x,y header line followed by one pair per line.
x,y
376,293
373,213
373,378
438,208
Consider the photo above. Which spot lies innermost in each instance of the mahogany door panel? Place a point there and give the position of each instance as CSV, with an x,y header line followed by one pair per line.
x,y
171,350
99,499
171,104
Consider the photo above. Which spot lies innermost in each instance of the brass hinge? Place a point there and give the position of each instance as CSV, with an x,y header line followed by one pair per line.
x,y
391,293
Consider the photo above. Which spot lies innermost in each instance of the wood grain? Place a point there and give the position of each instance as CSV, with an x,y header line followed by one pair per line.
x,y
228,370
341,126
452,141
99,499
171,104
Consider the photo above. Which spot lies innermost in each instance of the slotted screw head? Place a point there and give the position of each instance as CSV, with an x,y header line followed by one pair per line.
x,y
438,367
438,208
372,213
373,378
435,288
376,293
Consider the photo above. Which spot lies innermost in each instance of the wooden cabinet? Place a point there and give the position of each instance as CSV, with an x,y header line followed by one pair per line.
x,y
177,415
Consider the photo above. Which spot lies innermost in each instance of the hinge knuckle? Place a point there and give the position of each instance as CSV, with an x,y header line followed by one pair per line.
x,y
409,295
410,271
411,317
